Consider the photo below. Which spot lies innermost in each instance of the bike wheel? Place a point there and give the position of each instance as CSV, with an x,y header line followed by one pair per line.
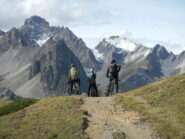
x,y
73,90
69,91
77,89
112,87
92,92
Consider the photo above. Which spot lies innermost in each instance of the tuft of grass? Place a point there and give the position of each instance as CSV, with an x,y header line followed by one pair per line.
x,y
58,117
118,135
4,102
129,103
163,105
16,106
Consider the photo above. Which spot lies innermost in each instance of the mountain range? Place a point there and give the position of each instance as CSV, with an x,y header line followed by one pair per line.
x,y
35,60
140,64
33,69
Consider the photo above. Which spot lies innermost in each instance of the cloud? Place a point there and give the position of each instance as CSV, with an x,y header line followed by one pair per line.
x,y
66,13
154,20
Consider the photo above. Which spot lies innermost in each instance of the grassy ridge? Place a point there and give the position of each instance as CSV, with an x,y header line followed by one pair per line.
x,y
163,104
58,117
4,102
16,106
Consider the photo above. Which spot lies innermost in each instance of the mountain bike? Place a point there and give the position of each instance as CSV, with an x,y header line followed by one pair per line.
x,y
110,88
92,92
75,89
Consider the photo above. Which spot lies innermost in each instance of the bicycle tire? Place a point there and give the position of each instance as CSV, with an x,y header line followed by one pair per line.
x,y
92,92
112,87
77,89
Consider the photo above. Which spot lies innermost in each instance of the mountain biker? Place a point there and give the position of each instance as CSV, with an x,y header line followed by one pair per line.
x,y
113,70
92,82
73,77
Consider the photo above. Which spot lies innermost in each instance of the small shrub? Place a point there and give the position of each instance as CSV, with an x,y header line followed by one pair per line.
x,y
118,135
16,106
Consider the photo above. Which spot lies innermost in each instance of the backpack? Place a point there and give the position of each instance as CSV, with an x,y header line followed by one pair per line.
x,y
113,68
74,74
91,77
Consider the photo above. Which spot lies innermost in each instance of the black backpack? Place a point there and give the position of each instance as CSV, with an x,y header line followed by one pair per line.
x,y
113,68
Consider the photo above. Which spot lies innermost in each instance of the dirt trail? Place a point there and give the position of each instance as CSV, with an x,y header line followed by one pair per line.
x,y
108,121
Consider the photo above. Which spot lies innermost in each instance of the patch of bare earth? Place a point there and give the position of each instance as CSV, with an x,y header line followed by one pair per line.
x,y
110,121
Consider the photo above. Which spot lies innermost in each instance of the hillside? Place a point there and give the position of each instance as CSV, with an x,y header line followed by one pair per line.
x,y
151,112
162,104
58,117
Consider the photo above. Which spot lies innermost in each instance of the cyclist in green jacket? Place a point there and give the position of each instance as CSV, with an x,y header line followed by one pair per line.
x,y
73,77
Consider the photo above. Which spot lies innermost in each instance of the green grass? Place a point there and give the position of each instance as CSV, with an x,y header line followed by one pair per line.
x,y
4,102
164,107
129,103
117,135
58,117
16,106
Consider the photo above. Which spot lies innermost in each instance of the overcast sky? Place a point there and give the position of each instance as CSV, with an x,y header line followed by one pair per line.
x,y
150,20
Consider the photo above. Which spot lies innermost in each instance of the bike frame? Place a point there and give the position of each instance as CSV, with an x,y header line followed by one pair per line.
x,y
92,92
75,89
111,87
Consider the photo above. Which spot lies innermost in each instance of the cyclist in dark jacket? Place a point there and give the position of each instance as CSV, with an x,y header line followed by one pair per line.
x,y
92,82
113,70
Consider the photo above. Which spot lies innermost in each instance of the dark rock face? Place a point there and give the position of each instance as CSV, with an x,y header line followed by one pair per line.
x,y
159,52
1,32
14,39
36,21
6,94
36,27
53,66
34,69
78,47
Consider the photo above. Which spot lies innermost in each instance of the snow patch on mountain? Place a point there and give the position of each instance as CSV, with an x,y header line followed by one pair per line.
x,y
181,66
42,39
98,56
40,42
122,42
138,55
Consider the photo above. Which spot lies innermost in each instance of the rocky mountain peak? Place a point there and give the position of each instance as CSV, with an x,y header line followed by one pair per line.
x,y
160,52
36,21
14,38
37,28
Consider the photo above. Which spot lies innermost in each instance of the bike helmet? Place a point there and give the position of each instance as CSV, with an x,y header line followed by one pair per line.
x,y
113,61
72,65
91,70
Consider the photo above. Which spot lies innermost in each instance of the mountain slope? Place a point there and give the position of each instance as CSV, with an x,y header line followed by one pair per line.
x,y
39,72
51,65
162,103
